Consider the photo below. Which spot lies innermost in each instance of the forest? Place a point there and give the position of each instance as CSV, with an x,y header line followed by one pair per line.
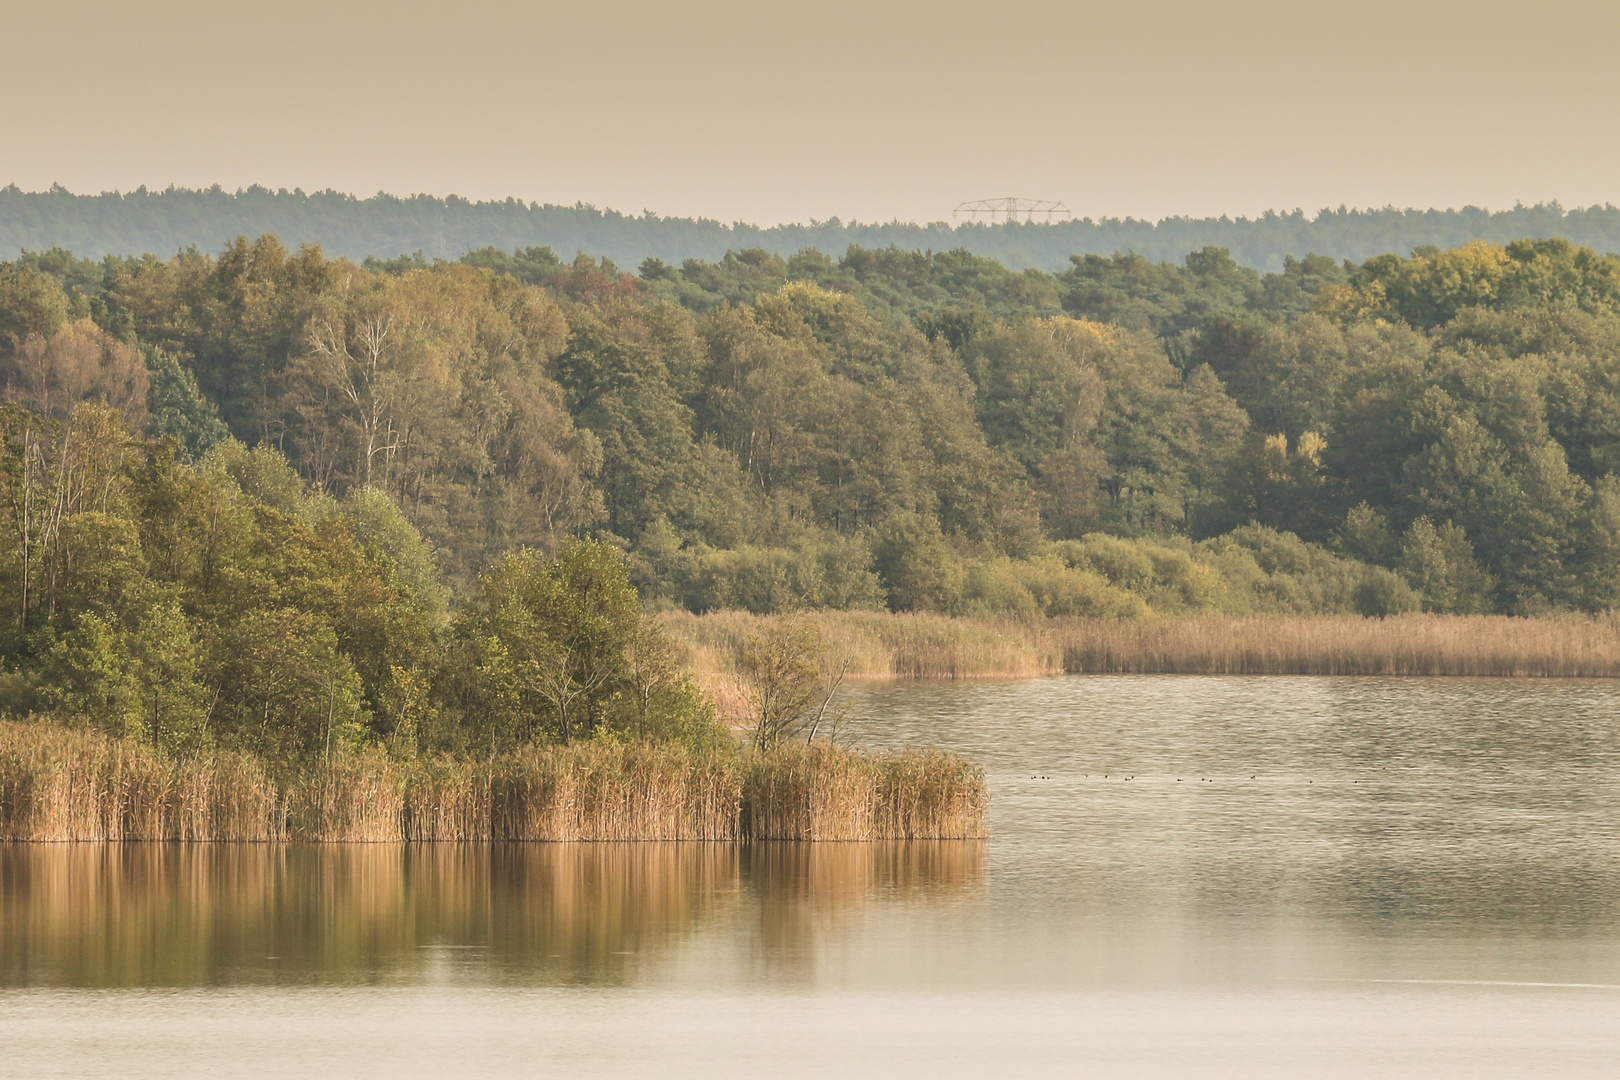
x,y
385,226
278,500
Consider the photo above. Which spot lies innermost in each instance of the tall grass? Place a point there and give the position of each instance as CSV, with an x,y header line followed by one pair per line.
x,y
67,784
615,792
820,792
61,784
908,646
353,797
1490,645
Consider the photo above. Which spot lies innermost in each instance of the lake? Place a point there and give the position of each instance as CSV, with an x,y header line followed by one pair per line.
x,y
1186,876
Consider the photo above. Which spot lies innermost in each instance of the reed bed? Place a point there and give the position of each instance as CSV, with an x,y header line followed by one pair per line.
x,y
358,798
615,792
880,645
908,646
1481,645
820,792
448,800
60,784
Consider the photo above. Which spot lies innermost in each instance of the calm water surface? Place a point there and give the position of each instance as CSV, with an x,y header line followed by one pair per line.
x,y
1189,877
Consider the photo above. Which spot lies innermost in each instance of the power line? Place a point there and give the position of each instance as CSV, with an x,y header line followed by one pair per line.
x,y
1011,208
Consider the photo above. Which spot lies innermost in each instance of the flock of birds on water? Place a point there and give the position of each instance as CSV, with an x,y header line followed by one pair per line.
x,y
1201,779
1106,776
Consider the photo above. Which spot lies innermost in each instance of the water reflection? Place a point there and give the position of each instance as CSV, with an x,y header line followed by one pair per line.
x,y
1279,829
816,898
556,914
1304,877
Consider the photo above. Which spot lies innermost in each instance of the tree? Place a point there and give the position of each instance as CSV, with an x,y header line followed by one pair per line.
x,y
1438,561
665,706
79,363
179,409
1434,287
552,635
139,679
1039,388
32,304
1365,535
790,678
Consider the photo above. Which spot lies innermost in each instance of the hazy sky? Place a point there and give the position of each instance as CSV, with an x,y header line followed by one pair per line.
x,y
770,112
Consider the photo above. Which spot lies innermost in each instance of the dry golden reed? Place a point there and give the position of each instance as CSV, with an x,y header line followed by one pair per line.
x,y
66,784
614,792
62,784
1488,645
910,646
820,792
357,798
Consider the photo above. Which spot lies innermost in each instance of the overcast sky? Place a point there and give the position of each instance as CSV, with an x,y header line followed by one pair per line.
x,y
771,112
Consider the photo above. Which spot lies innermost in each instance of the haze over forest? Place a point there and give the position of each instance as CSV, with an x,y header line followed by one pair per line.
x,y
385,226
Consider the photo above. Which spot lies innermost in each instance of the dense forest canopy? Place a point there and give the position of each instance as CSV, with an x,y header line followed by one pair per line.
x,y
386,226
274,495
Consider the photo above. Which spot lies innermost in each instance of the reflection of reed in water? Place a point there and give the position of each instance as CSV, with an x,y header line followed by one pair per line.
x,y
805,893
829,877
199,914
188,914
596,913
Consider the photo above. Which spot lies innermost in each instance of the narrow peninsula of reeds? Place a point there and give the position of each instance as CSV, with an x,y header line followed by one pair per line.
x,y
60,784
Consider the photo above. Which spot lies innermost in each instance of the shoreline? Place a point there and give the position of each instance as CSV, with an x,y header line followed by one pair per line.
x,y
68,784
885,647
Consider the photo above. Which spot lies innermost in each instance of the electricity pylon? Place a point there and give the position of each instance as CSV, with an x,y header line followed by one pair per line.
x,y
1010,209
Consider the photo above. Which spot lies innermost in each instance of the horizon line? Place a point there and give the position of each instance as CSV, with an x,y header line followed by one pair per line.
x,y
1342,210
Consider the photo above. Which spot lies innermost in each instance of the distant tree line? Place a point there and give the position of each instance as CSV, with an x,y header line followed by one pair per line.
x,y
385,226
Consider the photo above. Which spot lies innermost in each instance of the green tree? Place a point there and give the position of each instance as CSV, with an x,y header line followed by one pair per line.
x,y
179,410
1438,562
32,304
139,680
551,637
790,677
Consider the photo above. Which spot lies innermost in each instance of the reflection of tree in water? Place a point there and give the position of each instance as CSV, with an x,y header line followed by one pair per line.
x,y
199,914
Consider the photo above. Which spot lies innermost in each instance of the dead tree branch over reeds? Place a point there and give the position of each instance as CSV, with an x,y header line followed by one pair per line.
x,y
789,676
